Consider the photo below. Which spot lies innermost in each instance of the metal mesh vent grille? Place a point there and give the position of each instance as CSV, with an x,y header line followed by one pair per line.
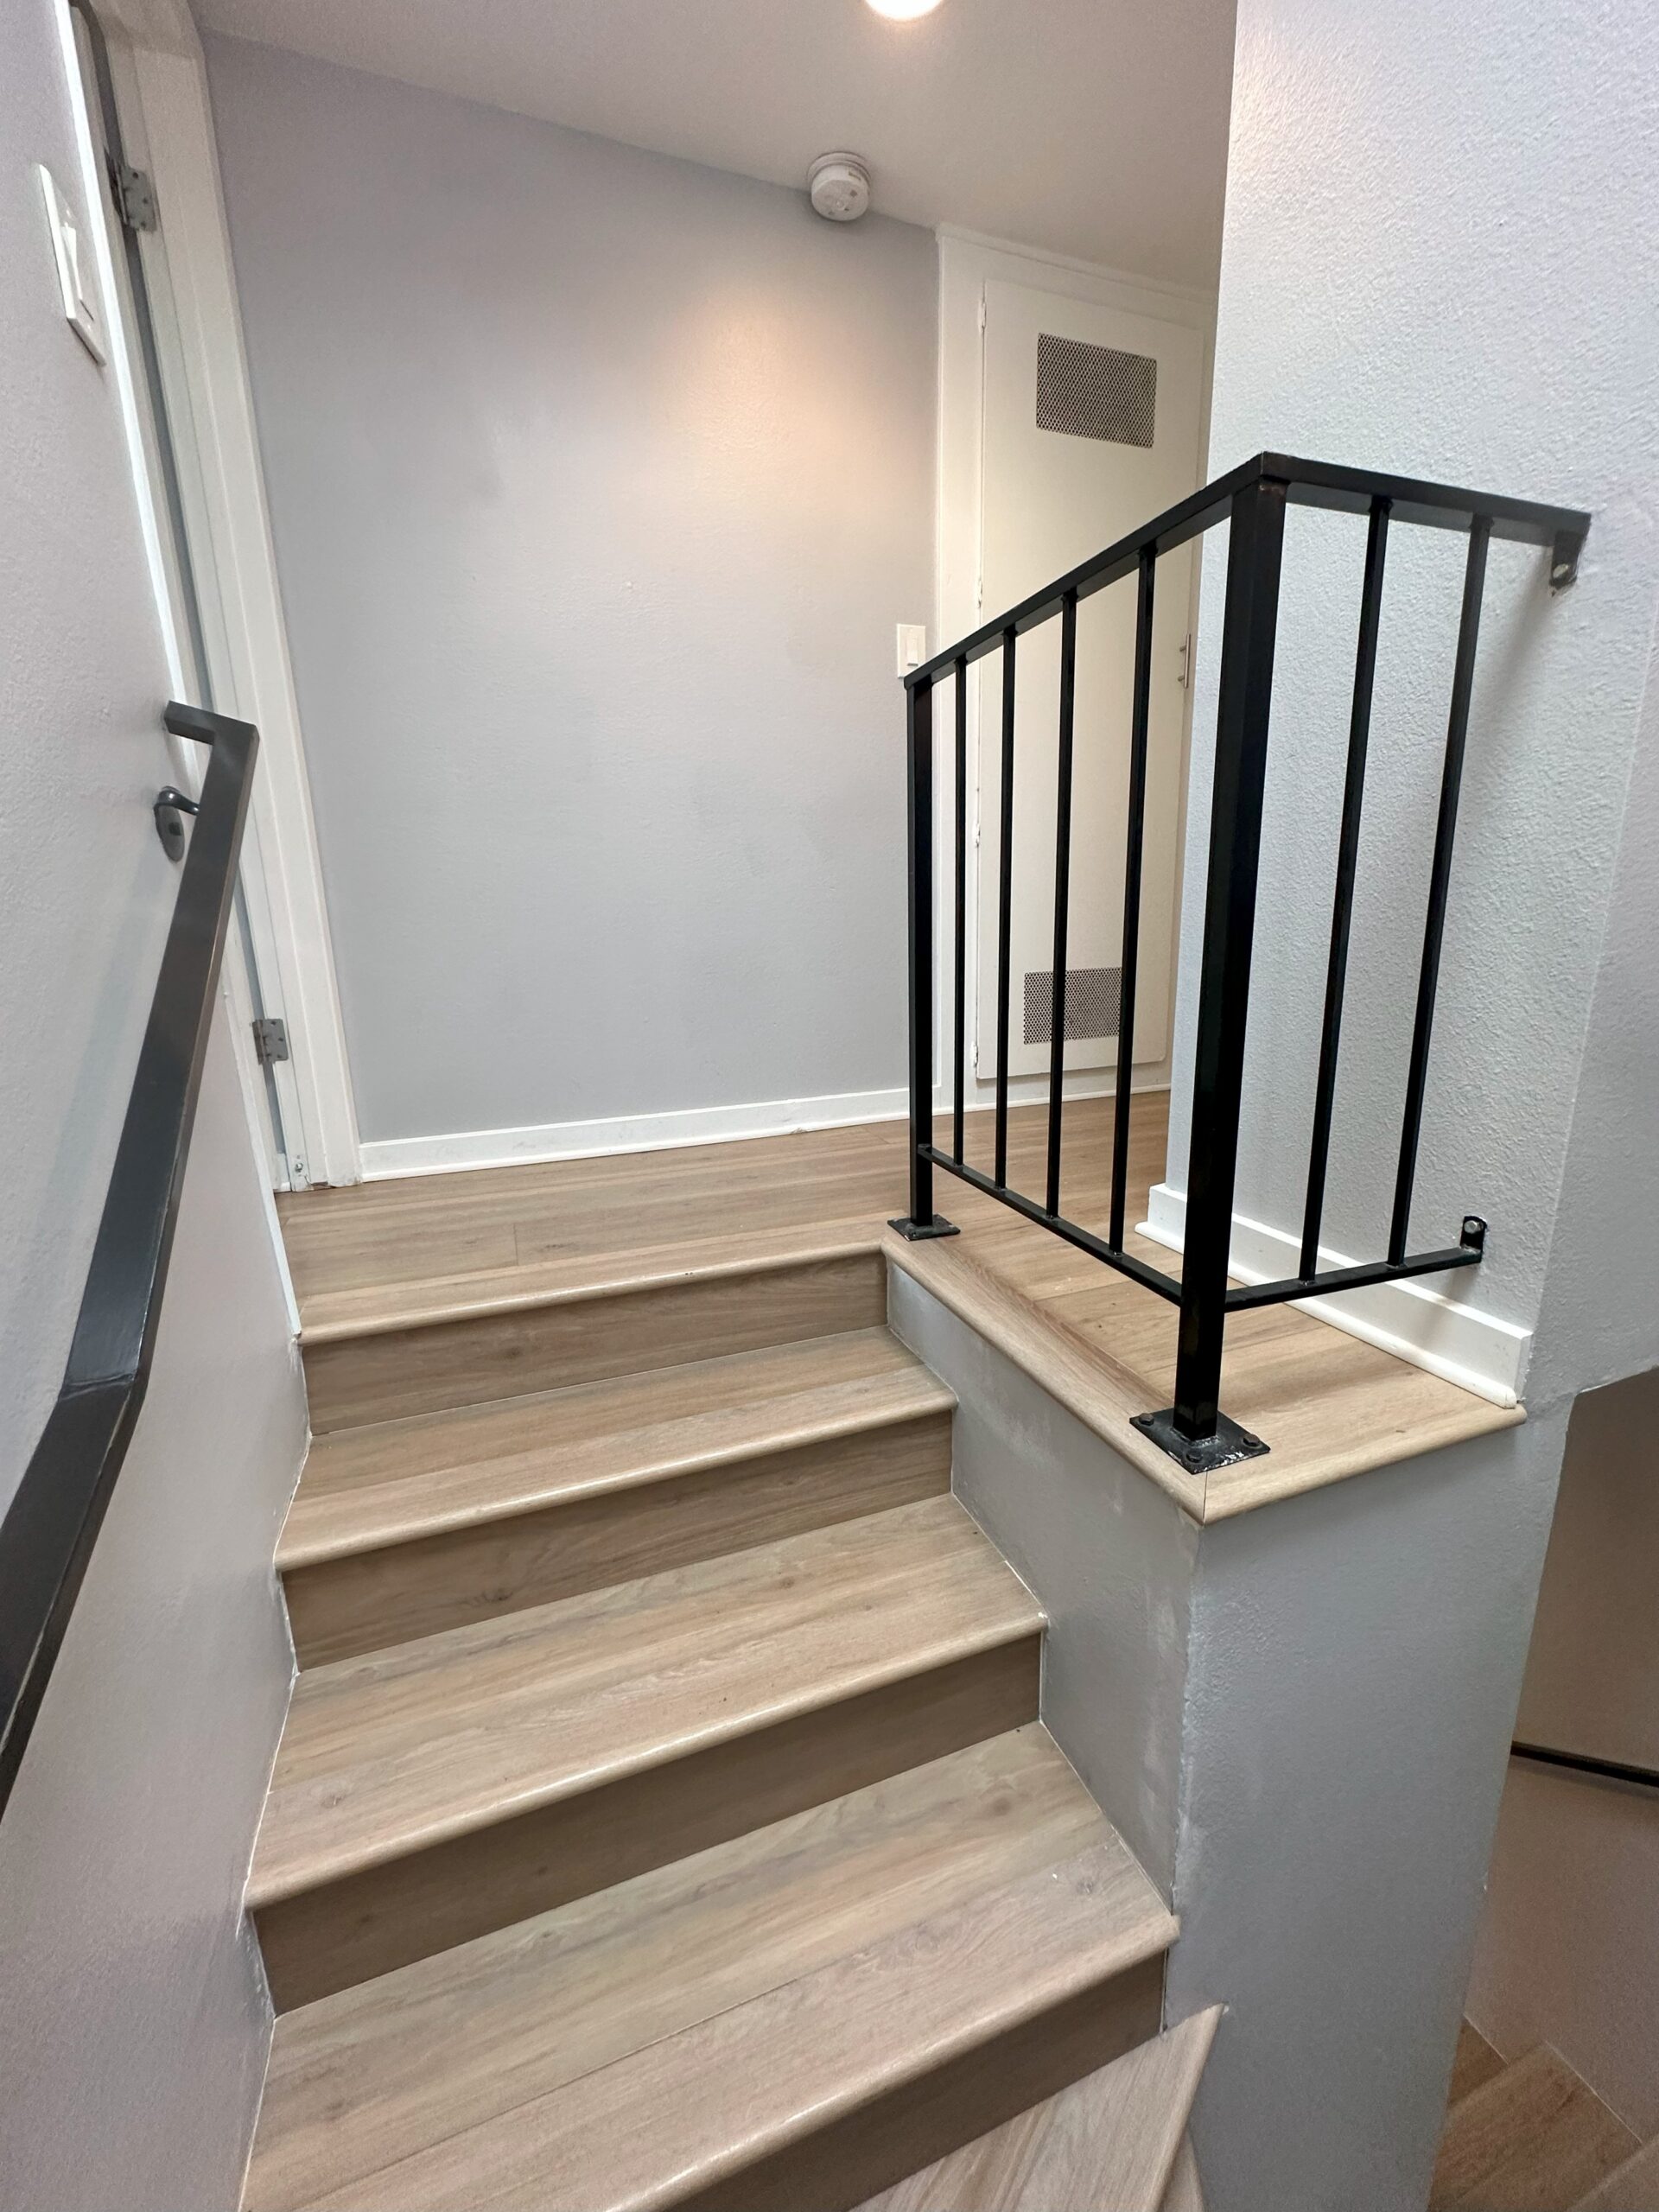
x,y
1092,998
1095,391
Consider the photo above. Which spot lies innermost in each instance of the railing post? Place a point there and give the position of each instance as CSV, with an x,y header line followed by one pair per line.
x,y
1194,1429
921,1221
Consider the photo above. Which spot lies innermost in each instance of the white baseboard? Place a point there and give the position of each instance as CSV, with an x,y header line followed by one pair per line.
x,y
1474,1350
771,1118
454,1151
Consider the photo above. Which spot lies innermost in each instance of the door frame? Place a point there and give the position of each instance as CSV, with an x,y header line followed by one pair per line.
x,y
968,261
161,86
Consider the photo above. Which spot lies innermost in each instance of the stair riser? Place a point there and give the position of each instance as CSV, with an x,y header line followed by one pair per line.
x,y
368,1923
430,1369
344,1607
840,2165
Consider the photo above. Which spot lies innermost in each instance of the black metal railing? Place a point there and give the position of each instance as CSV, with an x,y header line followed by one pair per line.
x,y
53,1521
1586,1764
1252,500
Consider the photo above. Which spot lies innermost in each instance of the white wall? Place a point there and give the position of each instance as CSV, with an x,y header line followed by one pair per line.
x,y
132,2017
598,482
1441,253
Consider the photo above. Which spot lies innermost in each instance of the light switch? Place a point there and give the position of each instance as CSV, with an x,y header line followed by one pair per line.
x,y
912,645
77,270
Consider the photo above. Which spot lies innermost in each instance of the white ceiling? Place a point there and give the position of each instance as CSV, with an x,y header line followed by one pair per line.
x,y
1086,127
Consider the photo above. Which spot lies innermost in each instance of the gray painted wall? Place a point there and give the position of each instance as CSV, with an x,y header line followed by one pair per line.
x,y
1569,1948
598,482
1441,252
1109,1555
133,2020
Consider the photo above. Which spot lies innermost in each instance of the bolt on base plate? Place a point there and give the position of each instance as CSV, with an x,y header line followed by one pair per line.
x,y
1200,1455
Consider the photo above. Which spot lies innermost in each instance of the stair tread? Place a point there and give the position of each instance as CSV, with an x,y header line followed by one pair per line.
x,y
676,2114
387,1753
1112,2138
378,1308
1633,2187
1185,2192
392,1482
366,2078
1532,2138
1476,2061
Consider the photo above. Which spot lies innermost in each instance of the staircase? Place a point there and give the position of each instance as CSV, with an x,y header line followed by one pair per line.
x,y
1532,2136
664,1815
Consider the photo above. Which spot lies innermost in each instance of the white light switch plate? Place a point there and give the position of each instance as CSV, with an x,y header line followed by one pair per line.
x,y
912,645
77,270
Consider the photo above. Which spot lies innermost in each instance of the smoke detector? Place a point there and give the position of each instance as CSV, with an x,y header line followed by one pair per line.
x,y
839,187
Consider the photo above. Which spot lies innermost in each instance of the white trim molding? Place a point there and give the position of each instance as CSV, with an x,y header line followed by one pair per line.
x,y
771,1117
968,261
1474,1350
162,84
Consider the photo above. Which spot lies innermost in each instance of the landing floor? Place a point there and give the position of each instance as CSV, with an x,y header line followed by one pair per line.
x,y
1329,1405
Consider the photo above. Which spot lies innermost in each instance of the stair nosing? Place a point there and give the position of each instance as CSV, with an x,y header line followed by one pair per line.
x,y
314,2030
359,1544
946,1647
1155,1929
534,1298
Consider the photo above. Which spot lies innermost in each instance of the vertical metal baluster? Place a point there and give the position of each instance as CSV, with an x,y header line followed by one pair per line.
x,y
1353,792
1062,889
1463,679
959,979
1005,910
921,1221
1248,626
1130,956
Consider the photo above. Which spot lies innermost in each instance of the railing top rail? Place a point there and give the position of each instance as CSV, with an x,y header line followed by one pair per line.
x,y
50,1527
1309,484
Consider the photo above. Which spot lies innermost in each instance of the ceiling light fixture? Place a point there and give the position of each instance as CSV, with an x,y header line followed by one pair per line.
x,y
903,11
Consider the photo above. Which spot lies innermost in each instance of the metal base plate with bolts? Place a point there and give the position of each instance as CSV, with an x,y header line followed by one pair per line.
x,y
916,1233
1204,1455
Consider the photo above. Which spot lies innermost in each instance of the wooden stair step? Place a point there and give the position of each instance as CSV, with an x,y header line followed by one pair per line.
x,y
536,1277
817,2089
1476,2061
405,1529
393,1351
1633,2187
367,2078
1111,2139
1185,2191
1533,2138
424,1795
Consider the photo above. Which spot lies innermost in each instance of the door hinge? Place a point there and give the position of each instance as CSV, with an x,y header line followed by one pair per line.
x,y
134,196
270,1039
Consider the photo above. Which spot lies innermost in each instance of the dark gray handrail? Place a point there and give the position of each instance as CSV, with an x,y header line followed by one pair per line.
x,y
53,1521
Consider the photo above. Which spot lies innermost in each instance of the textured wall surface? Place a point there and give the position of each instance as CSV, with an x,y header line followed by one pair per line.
x,y
1441,252
133,2020
1354,1654
598,483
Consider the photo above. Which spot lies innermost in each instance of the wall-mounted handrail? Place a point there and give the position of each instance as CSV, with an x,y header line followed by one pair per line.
x,y
1584,1762
53,1521
1252,499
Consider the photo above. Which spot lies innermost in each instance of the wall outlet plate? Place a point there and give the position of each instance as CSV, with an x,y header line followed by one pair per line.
x,y
72,250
